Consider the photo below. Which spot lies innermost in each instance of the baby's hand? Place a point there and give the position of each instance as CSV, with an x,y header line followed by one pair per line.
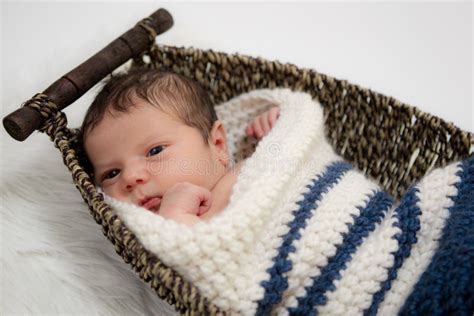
x,y
185,198
262,124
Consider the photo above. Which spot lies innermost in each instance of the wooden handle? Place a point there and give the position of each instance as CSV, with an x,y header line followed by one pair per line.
x,y
70,87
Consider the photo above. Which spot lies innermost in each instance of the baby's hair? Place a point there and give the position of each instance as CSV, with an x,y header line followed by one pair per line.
x,y
168,91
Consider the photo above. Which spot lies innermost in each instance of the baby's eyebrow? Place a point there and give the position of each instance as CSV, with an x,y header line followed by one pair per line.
x,y
102,165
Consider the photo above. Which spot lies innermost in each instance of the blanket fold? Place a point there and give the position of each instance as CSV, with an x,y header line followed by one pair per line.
x,y
306,233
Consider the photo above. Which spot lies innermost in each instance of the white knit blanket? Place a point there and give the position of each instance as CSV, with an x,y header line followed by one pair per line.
x,y
304,232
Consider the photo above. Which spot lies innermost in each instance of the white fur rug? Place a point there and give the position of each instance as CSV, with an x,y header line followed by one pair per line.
x,y
54,258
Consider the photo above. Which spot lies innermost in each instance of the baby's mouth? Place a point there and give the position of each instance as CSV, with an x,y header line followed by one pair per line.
x,y
152,203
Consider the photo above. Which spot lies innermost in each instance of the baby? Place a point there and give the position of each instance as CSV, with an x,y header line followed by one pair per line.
x,y
153,139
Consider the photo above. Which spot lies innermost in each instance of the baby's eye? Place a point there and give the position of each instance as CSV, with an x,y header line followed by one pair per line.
x,y
155,150
111,174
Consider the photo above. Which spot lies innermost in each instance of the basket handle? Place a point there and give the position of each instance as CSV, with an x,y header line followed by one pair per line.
x,y
24,121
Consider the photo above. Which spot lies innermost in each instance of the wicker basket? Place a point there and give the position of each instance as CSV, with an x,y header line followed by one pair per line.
x,y
391,142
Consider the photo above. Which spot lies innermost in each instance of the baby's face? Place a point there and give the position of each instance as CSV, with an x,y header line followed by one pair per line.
x,y
140,154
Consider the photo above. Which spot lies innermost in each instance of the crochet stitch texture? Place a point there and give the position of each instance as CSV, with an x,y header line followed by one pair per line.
x,y
305,233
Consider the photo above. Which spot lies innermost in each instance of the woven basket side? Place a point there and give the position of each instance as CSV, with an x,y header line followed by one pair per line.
x,y
391,142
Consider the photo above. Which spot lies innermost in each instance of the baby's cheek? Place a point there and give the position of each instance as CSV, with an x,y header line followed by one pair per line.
x,y
185,170
111,190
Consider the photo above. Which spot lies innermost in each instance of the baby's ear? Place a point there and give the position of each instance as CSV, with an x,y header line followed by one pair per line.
x,y
219,141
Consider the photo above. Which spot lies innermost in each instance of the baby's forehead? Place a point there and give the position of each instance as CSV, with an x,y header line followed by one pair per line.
x,y
142,118
143,110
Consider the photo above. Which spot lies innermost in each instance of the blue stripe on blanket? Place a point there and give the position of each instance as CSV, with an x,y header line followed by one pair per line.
x,y
408,215
370,215
447,286
278,283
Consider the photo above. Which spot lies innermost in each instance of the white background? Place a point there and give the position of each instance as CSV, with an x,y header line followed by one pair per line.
x,y
419,53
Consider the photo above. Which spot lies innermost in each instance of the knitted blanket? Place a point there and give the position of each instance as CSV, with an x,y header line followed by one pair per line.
x,y
305,233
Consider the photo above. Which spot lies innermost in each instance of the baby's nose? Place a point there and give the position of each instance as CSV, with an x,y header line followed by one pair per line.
x,y
132,183
135,176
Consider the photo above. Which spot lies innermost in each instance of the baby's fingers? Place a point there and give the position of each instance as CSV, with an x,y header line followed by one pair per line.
x,y
264,121
257,128
205,197
249,130
273,115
